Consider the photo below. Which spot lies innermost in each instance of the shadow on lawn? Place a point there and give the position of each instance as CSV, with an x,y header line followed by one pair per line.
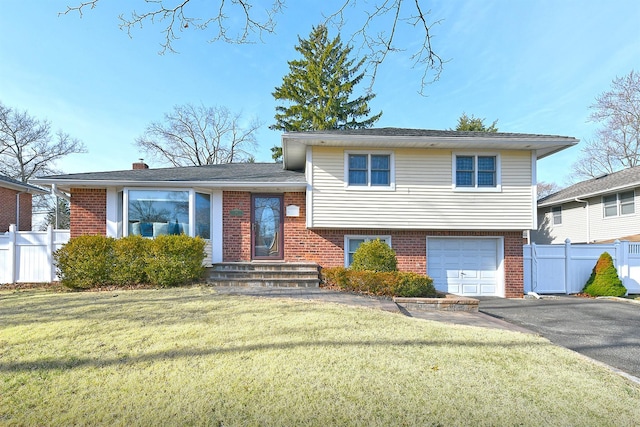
x,y
51,364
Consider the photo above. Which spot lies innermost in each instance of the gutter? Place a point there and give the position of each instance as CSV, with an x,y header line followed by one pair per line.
x,y
586,205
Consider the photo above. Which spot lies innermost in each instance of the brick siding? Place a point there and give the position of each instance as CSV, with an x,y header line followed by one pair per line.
x,y
88,211
8,209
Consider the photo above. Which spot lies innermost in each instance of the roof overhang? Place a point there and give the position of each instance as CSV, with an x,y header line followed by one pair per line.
x,y
22,188
66,184
294,144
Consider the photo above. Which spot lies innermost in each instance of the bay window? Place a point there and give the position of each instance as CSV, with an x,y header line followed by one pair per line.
x,y
151,213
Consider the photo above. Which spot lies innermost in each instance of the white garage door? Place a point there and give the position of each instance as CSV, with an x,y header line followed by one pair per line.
x,y
464,266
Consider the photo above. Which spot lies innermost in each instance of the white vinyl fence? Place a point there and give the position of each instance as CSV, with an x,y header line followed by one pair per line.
x,y
564,269
27,256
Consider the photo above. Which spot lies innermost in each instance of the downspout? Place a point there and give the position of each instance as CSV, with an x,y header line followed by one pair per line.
x,y
586,205
18,208
56,192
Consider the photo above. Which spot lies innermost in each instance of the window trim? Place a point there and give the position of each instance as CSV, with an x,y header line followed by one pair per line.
x,y
366,237
369,186
618,204
124,220
475,187
556,210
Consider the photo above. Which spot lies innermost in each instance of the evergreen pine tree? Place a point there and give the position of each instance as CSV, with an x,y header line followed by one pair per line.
x,y
318,87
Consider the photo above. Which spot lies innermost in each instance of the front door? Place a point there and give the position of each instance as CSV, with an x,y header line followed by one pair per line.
x,y
267,239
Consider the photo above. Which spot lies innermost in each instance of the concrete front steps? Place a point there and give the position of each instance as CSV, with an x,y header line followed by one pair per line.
x,y
264,274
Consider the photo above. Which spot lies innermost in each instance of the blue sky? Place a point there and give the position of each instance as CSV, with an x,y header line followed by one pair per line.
x,y
536,66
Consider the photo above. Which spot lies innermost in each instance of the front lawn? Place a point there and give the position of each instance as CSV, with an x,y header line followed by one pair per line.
x,y
190,356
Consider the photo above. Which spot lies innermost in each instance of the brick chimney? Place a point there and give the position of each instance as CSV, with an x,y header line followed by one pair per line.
x,y
140,165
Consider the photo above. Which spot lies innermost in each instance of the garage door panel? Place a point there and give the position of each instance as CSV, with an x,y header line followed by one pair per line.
x,y
488,290
464,266
452,274
469,289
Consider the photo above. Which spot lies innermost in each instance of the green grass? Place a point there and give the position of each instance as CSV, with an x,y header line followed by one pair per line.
x,y
192,357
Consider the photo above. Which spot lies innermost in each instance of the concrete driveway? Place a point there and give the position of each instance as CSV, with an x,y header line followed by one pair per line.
x,y
604,330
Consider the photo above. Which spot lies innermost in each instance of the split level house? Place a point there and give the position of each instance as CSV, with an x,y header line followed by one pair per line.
x,y
597,210
16,203
453,205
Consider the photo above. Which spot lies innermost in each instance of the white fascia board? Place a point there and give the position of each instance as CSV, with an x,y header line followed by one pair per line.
x,y
68,183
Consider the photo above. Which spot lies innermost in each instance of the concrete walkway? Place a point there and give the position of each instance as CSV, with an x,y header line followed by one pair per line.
x,y
386,304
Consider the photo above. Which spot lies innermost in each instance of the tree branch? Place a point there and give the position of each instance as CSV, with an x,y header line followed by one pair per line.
x,y
256,22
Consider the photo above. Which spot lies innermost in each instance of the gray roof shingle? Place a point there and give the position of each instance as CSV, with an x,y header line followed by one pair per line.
x,y
626,178
232,172
429,132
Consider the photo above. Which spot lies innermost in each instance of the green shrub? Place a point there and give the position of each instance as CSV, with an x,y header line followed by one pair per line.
x,y
374,255
91,261
174,260
130,257
414,285
392,283
604,280
85,262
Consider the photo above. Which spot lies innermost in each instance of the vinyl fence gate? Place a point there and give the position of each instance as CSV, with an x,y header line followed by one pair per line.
x,y
564,269
27,256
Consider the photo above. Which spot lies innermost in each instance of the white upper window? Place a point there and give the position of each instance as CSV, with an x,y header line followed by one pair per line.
x,y
475,171
369,170
619,204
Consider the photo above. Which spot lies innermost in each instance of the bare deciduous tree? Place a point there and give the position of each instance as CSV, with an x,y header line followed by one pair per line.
x,y
245,21
545,189
616,144
195,136
28,147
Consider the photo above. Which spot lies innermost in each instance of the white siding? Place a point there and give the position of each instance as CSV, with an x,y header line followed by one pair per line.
x,y
423,197
586,225
613,227
574,220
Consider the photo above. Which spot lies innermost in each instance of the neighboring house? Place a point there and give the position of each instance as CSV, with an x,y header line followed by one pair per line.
x,y
451,204
15,203
596,210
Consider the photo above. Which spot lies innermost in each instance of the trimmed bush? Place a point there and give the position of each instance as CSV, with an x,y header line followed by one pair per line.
x,y
374,255
131,260
85,262
392,283
175,260
604,280
92,261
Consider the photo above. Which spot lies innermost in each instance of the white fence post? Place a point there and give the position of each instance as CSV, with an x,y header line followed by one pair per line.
x,y
567,265
12,253
50,249
622,260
